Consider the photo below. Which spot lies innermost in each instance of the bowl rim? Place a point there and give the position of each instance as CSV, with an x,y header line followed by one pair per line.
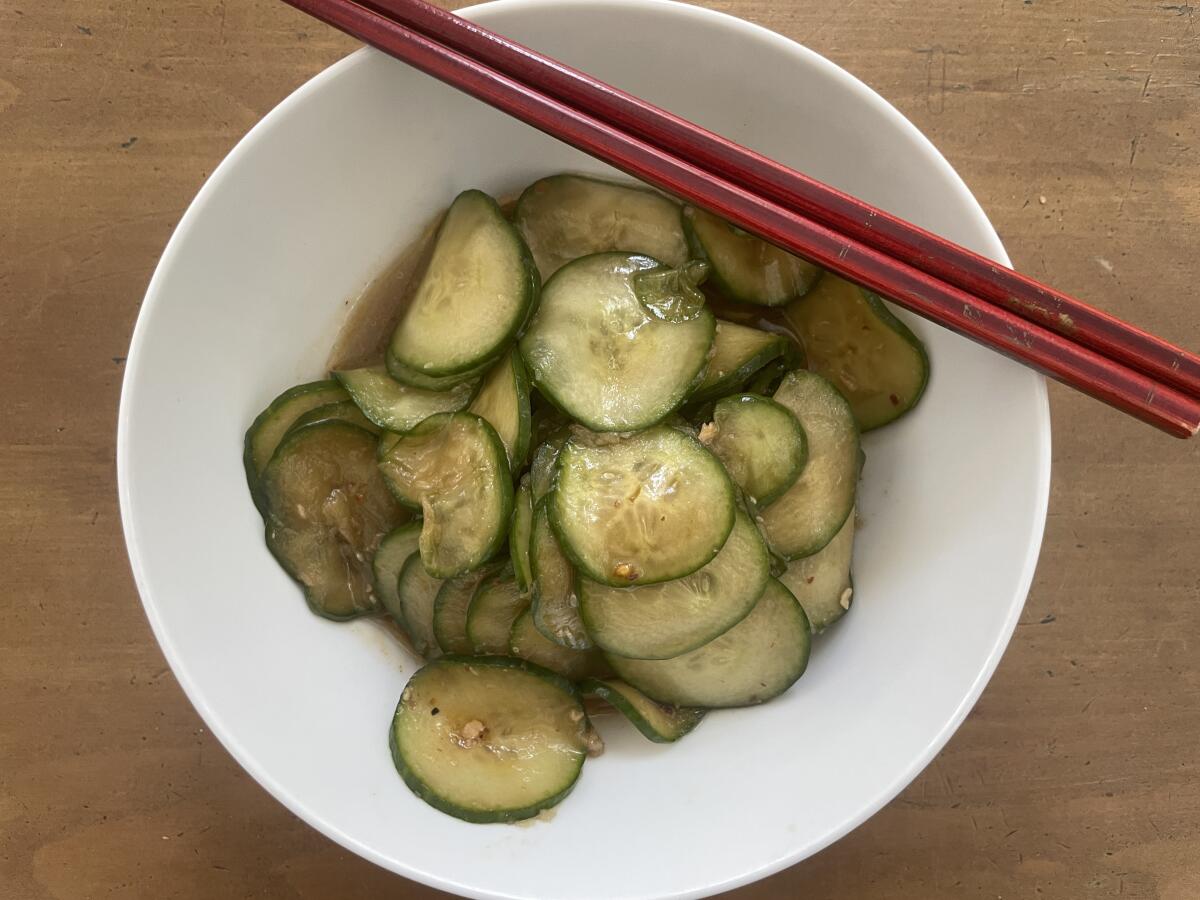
x,y
152,297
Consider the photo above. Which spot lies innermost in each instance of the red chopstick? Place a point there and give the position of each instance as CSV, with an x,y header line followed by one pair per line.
x,y
1080,367
841,212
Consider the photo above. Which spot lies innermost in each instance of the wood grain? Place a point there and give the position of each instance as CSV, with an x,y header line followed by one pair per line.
x,y
1076,123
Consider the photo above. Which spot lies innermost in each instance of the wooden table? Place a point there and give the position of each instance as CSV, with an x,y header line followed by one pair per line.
x,y
1076,123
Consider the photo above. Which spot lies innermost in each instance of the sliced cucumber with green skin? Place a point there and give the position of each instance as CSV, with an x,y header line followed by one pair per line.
x,y
418,592
872,357
809,513
489,739
822,582
454,468
564,217
757,659
340,411
555,603
476,293
421,381
656,721
519,535
642,508
269,427
744,267
503,400
394,550
660,621
760,442
544,465
327,510
497,602
450,608
526,642
601,357
396,406
737,353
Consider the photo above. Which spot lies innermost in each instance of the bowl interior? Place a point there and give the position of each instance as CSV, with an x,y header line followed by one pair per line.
x,y
246,301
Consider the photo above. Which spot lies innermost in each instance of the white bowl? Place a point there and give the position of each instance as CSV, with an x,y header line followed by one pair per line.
x,y
245,302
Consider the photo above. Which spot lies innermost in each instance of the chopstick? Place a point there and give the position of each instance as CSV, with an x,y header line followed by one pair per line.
x,y
839,211
1057,356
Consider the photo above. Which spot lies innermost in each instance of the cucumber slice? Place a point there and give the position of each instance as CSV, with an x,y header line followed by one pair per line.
x,y
454,467
396,406
659,723
660,621
757,659
746,268
327,510
497,602
555,603
544,466
394,550
737,353
489,739
340,411
503,400
564,217
475,295
821,582
640,509
418,593
526,642
872,357
760,442
269,427
519,535
450,608
595,351
421,381
809,513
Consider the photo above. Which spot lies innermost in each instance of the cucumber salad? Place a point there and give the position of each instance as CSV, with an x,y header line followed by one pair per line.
x,y
607,458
